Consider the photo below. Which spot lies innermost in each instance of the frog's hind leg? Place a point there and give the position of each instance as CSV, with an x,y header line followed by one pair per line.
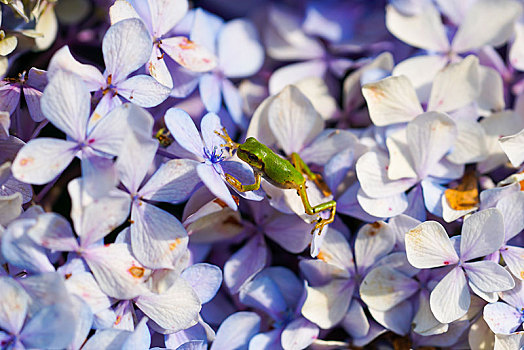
x,y
301,166
331,205
230,144
244,188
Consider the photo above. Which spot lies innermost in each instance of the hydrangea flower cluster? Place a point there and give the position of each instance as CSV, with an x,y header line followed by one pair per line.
x,y
296,174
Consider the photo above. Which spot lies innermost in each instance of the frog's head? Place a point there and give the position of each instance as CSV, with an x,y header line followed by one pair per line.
x,y
252,152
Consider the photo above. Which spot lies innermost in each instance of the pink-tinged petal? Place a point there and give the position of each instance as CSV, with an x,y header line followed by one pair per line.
x,y
205,279
9,96
157,237
383,288
236,331
424,321
455,86
66,103
327,305
239,52
356,322
83,285
486,23
21,251
13,306
63,61
188,54
245,263
41,160
295,72
184,131
373,242
53,232
289,109
299,334
297,231
209,88
482,234
502,318
384,207
391,100
489,276
424,30
263,294
120,10
450,299
173,182
103,216
117,272
233,100
372,172
157,68
512,146
143,90
166,14
397,319
511,207
32,98
175,309
514,259
421,70
428,245
431,134
126,47
214,182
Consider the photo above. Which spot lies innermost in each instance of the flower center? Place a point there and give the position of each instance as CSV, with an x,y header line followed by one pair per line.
x,y
213,156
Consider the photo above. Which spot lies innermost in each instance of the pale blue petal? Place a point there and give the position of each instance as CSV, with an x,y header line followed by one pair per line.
x,y
210,93
233,100
245,263
236,331
299,334
184,131
143,90
215,184
205,279
263,294
51,327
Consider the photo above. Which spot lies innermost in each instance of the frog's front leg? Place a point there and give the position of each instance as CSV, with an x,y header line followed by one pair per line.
x,y
301,166
331,205
230,144
244,188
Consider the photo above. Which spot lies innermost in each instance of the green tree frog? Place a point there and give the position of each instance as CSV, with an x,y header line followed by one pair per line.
x,y
280,173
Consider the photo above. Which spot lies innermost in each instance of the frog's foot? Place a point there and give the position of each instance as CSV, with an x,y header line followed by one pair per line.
x,y
163,137
318,179
230,144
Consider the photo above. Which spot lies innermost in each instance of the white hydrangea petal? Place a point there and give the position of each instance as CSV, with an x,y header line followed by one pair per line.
x,y
428,245
487,22
450,299
482,234
489,276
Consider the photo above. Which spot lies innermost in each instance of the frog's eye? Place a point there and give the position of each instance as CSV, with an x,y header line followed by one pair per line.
x,y
253,158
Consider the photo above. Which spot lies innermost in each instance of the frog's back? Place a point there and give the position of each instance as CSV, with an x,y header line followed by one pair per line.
x,y
281,173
